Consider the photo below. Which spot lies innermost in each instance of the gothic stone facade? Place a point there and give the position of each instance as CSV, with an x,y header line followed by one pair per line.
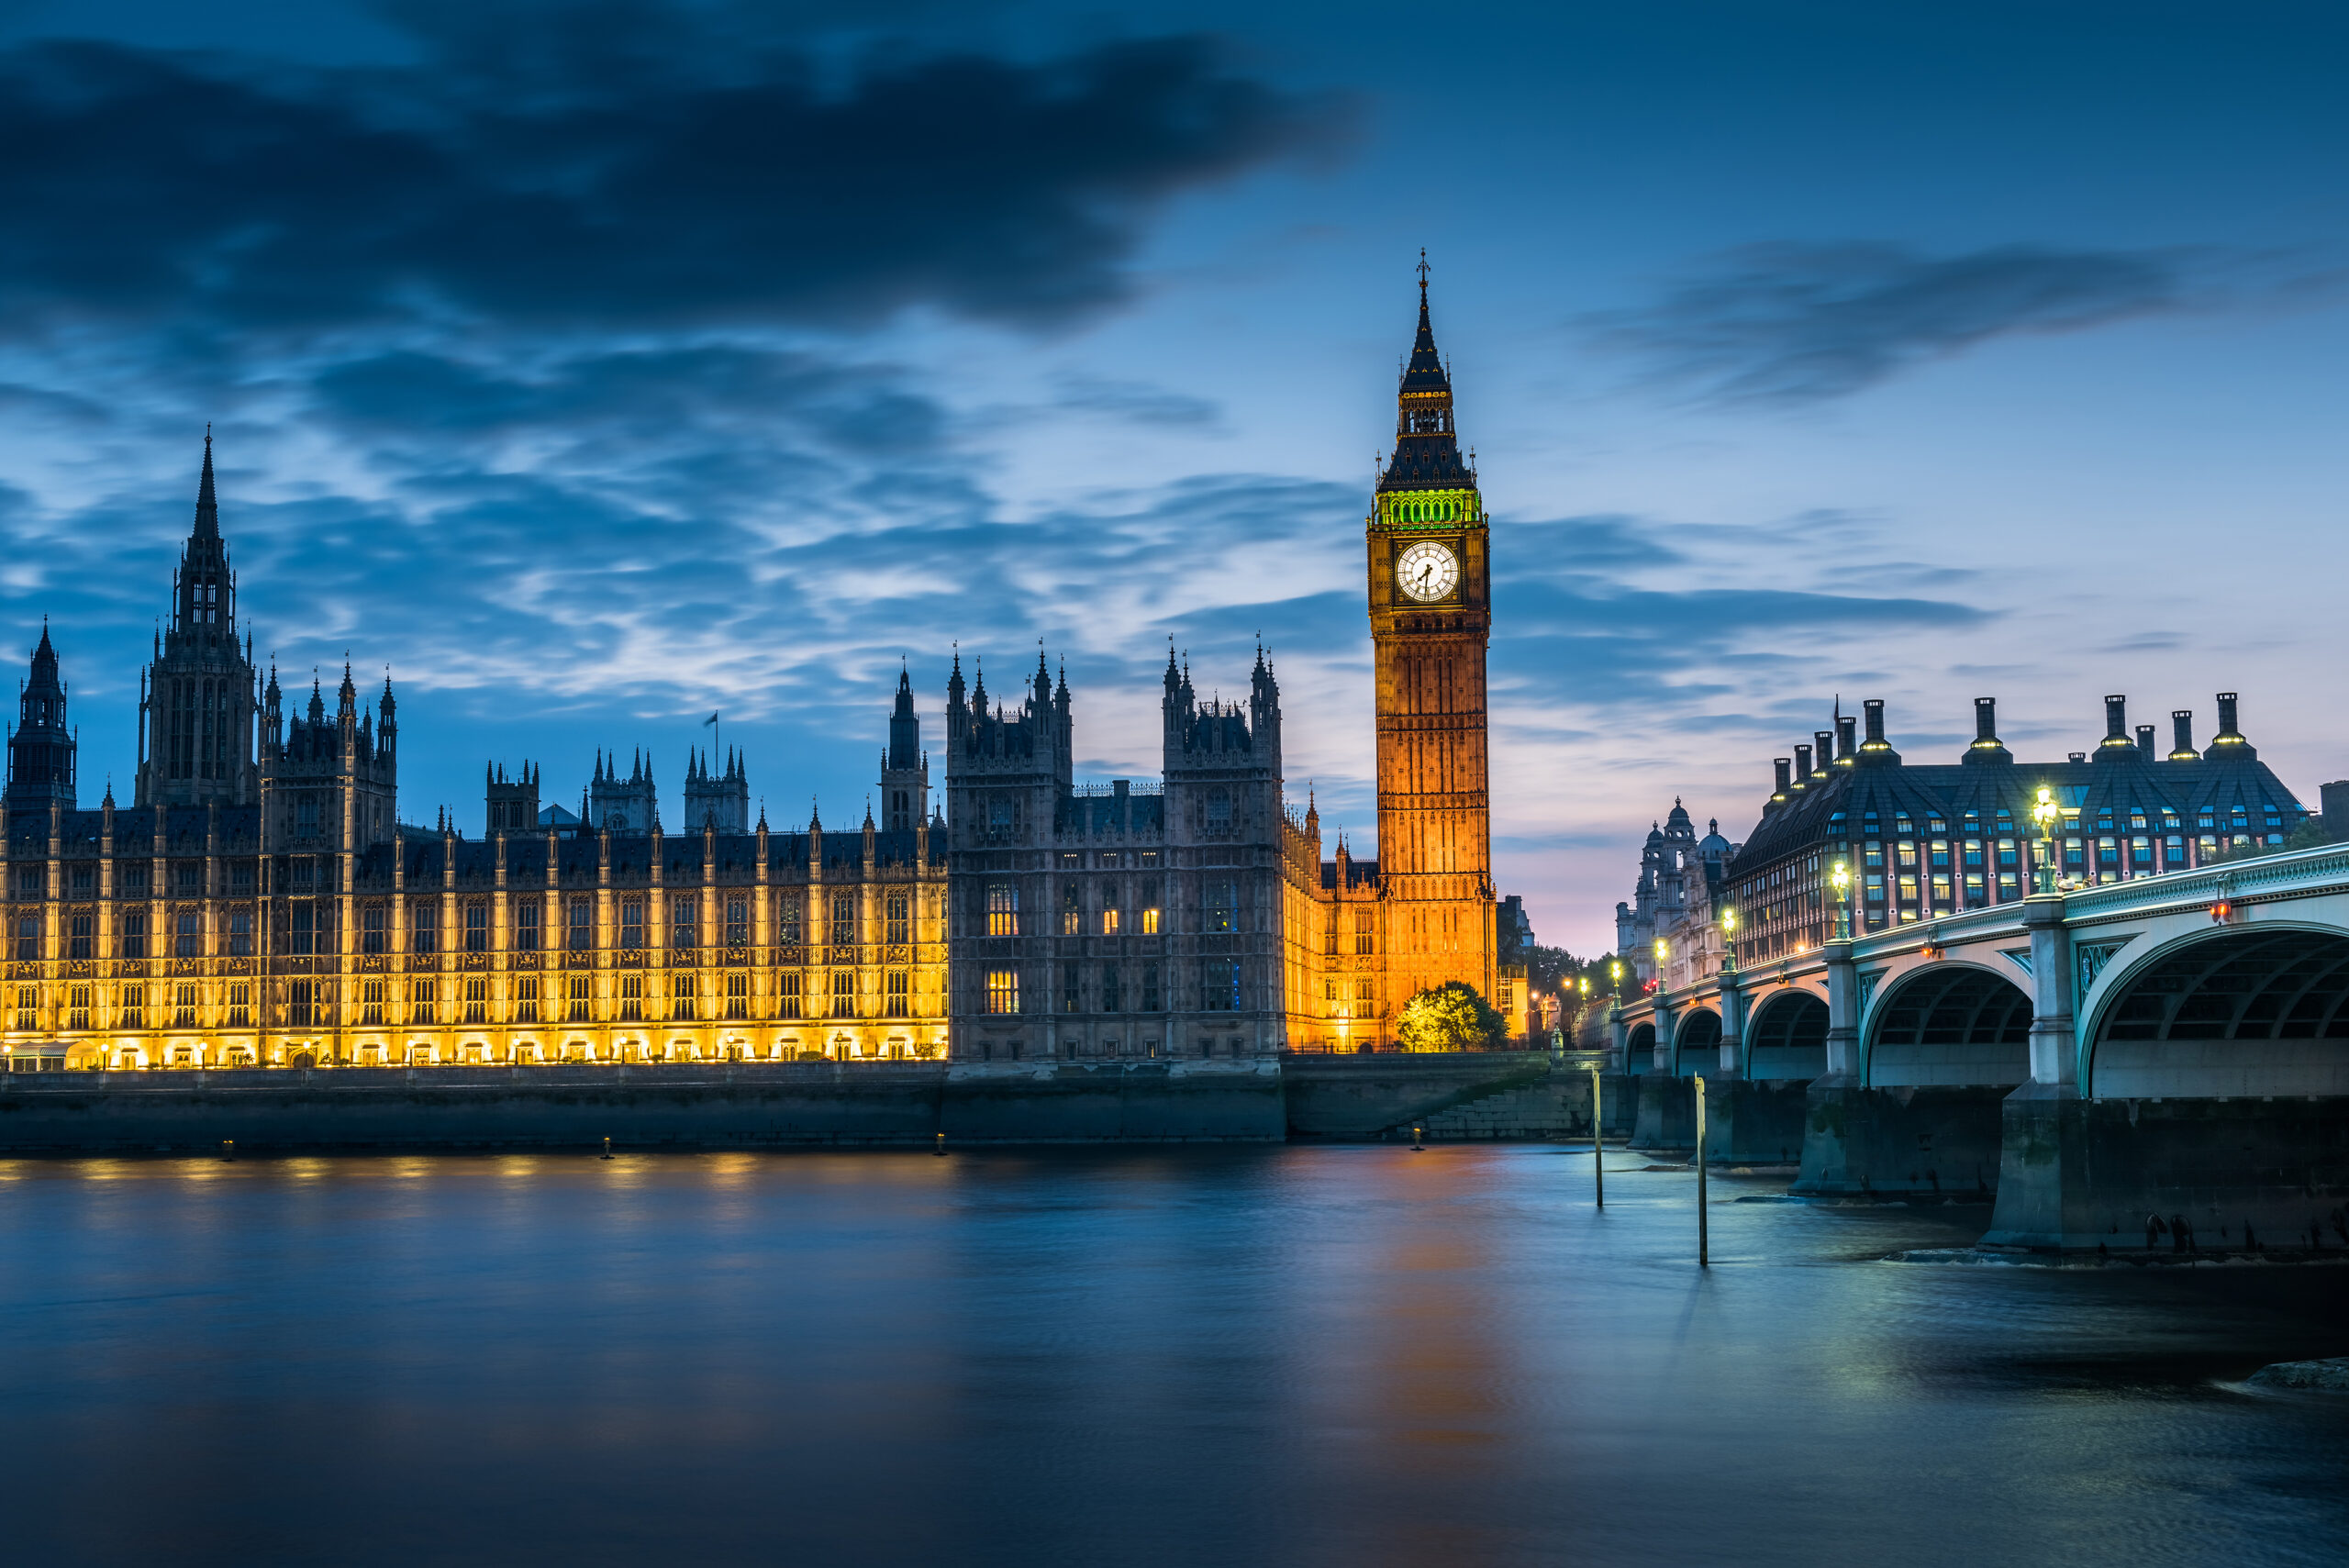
x,y
261,904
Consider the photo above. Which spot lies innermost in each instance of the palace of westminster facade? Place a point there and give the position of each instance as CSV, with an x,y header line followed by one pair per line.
x,y
260,903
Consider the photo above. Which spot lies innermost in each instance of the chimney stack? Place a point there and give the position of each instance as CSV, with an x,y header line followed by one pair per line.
x,y
2116,746
2181,723
1987,746
2228,740
1802,767
1825,740
2145,741
1847,738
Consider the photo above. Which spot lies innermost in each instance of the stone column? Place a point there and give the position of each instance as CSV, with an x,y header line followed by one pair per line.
x,y
1842,1013
1733,1062
1619,1036
2053,1046
1662,1063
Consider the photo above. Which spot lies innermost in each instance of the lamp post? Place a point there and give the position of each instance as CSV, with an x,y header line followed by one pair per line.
x,y
1663,952
1842,878
2044,812
1729,939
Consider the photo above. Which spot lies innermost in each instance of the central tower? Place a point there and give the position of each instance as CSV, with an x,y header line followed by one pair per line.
x,y
1431,620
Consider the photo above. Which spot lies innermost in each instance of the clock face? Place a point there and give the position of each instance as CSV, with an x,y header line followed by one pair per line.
x,y
1427,572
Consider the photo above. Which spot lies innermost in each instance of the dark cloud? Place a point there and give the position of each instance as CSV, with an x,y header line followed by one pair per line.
x,y
1792,324
609,166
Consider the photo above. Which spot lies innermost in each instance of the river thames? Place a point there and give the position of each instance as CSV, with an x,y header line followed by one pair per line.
x,y
1296,1355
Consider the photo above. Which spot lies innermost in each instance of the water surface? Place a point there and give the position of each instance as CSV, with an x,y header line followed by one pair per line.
x,y
1360,1356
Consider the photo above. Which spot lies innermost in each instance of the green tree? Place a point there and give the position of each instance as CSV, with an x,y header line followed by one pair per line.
x,y
1451,1016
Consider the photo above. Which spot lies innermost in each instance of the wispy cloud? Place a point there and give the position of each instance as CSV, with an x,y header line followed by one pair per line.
x,y
1789,324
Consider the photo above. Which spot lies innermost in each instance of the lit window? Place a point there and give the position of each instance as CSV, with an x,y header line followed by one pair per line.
x,y
1003,991
1003,914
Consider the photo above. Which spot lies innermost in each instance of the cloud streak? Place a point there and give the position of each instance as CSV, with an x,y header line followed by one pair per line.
x,y
1789,324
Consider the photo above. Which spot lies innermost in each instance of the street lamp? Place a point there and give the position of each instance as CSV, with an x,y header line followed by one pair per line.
x,y
2044,813
1728,937
1842,881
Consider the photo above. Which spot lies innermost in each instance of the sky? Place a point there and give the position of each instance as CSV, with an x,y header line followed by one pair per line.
x,y
596,367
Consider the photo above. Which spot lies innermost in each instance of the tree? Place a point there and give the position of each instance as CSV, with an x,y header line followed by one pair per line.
x,y
1451,1016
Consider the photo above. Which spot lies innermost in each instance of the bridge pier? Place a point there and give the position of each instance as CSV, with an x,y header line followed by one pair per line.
x,y
1667,1112
2176,1175
1749,1121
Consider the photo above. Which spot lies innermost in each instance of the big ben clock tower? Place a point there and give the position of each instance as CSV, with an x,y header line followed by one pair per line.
x,y
1431,619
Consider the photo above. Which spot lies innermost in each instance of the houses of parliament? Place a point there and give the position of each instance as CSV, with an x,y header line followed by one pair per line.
x,y
258,902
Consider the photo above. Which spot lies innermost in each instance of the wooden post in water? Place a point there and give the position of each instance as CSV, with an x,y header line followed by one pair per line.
x,y
1597,1144
1702,1259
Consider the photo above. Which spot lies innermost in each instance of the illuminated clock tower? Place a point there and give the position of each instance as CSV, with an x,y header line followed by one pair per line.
x,y
1431,619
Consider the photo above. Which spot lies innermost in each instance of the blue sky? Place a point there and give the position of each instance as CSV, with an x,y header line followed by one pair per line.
x,y
594,366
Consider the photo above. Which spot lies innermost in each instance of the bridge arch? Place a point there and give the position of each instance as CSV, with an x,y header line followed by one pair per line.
x,y
1786,1035
2257,1010
1639,1048
1697,1043
1948,1023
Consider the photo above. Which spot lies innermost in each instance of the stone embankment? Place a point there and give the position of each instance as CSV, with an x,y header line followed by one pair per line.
x,y
1496,1095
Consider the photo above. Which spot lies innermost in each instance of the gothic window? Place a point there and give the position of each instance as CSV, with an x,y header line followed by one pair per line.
x,y
1112,996
787,994
1072,916
632,923
1364,938
183,1006
844,993
1220,907
787,922
1220,985
738,923
81,937
304,871
1071,1000
900,1004
305,815
1219,811
371,1002
844,927
424,927
134,934
189,942
526,999
583,925
682,914
1365,993
423,1002
477,999
1003,990
526,926
738,996
82,880
583,997
370,928
77,1007
241,876
301,1002
27,1008
1003,909
1111,919
681,998
1150,988
134,1008
240,1005
476,928
900,810
134,878
31,882
900,909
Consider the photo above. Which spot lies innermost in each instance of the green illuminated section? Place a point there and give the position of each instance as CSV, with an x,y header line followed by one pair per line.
x,y
1429,510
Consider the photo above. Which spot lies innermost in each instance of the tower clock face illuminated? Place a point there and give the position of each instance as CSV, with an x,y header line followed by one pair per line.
x,y
1427,572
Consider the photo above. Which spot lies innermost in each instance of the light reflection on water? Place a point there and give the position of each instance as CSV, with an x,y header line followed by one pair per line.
x,y
1358,1356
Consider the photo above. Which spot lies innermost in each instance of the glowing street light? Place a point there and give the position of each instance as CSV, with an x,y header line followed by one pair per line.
x,y
1842,878
1729,936
2044,813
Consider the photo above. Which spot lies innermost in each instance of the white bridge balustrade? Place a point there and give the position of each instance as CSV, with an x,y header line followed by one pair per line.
x,y
2194,1026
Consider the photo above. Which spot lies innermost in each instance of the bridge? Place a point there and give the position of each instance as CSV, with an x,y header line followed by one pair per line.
x,y
2158,1063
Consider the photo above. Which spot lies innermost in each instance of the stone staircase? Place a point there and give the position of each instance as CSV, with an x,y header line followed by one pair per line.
x,y
1557,1107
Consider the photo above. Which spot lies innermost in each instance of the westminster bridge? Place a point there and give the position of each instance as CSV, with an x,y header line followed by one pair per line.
x,y
2157,1063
